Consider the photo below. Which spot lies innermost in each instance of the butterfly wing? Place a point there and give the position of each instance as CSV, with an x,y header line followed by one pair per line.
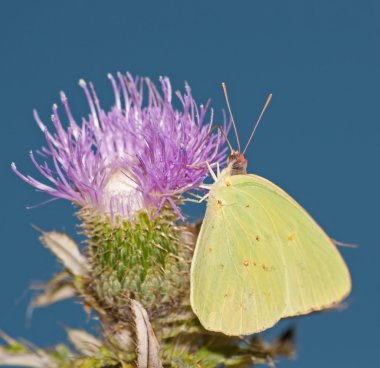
x,y
233,287
260,257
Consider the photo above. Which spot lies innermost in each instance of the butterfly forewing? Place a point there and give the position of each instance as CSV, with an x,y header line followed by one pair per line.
x,y
234,287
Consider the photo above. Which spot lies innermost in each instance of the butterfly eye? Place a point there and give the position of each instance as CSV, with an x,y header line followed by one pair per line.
x,y
233,156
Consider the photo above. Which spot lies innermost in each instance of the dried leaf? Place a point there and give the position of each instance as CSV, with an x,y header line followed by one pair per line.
x,y
16,354
284,344
84,342
148,349
122,336
66,250
26,360
54,295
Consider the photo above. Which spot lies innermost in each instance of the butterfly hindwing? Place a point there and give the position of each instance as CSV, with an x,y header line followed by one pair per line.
x,y
316,274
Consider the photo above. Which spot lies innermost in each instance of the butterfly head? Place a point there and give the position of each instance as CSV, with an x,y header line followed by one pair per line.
x,y
237,163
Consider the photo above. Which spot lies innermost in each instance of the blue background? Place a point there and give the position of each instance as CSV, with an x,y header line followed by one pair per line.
x,y
319,139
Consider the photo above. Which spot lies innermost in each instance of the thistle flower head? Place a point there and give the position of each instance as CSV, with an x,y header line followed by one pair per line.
x,y
142,154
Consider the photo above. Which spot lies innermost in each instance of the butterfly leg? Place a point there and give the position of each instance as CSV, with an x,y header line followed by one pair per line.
x,y
200,165
200,200
209,167
211,171
195,195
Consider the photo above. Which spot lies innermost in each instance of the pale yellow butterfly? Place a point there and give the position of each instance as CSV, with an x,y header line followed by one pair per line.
x,y
260,256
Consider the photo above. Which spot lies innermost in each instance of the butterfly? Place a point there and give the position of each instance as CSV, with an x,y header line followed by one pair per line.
x,y
259,255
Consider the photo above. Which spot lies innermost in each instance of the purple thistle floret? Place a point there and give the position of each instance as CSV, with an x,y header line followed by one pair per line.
x,y
143,153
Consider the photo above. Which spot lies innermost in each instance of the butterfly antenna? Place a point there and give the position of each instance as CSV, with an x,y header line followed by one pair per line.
x,y
232,118
258,121
226,139
208,134
206,137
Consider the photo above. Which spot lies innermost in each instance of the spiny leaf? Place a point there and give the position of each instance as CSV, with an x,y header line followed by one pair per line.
x,y
84,342
55,294
66,250
148,349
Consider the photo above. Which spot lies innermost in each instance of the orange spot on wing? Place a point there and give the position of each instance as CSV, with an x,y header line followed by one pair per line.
x,y
291,236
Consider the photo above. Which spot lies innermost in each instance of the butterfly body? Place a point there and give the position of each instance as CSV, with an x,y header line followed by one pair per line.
x,y
260,257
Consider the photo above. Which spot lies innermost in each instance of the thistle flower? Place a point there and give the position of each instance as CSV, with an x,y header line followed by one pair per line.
x,y
136,156
128,170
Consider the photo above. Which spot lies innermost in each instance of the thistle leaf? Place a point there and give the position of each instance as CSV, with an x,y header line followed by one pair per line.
x,y
84,342
52,296
16,354
66,250
26,360
147,345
